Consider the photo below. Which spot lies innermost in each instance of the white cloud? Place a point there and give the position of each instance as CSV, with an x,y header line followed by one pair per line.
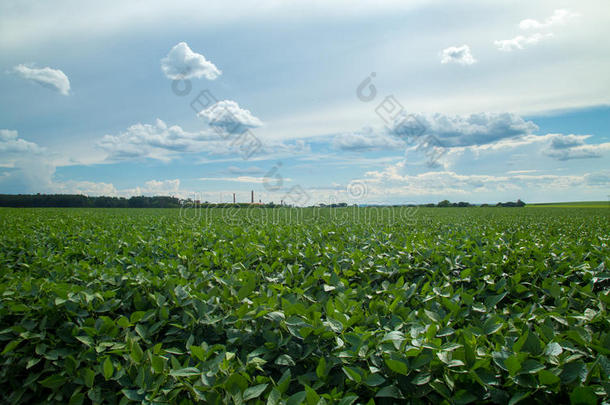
x,y
155,187
230,117
598,179
162,142
159,141
457,54
182,63
559,17
88,188
10,143
241,179
244,170
458,131
51,78
394,181
568,147
520,41
29,169
366,140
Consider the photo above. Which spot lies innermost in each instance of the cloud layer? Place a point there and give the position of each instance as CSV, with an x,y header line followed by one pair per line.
x,y
47,77
474,129
366,140
158,141
182,63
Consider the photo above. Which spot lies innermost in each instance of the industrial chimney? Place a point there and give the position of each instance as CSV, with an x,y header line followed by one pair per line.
x,y
233,198
252,197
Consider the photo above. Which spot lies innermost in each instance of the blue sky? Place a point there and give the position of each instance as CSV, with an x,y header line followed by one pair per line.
x,y
492,101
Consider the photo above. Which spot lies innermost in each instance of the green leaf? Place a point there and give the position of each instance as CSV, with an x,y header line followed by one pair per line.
x,y
88,340
553,349
583,396
373,380
198,352
531,367
321,368
284,360
348,400
77,398
421,378
274,397
297,398
108,368
397,366
312,397
55,381
10,346
513,364
492,325
352,373
136,352
254,392
185,372
284,382
547,378
463,397
518,397
389,392
157,363
88,376
248,286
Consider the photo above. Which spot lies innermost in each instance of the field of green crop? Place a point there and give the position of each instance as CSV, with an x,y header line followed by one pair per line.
x,y
577,204
279,306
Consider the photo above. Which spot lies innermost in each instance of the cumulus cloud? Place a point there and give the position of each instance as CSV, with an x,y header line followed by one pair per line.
x,y
155,187
474,129
559,17
366,140
520,41
47,77
90,188
457,54
230,117
10,143
598,179
158,141
182,63
27,166
568,147
163,142
394,180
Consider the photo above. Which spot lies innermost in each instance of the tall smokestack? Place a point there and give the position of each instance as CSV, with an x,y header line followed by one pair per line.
x,y
252,197
233,198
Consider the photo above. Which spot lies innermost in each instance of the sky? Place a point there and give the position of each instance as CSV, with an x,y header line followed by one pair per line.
x,y
307,102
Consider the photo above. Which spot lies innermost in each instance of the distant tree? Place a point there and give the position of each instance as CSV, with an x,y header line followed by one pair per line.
x,y
444,203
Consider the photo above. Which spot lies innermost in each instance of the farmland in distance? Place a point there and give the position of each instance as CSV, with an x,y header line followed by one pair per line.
x,y
312,306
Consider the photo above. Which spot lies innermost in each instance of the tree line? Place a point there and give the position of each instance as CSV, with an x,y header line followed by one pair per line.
x,y
78,200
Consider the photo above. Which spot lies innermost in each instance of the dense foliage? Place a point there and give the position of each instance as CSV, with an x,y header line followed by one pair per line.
x,y
78,200
323,306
